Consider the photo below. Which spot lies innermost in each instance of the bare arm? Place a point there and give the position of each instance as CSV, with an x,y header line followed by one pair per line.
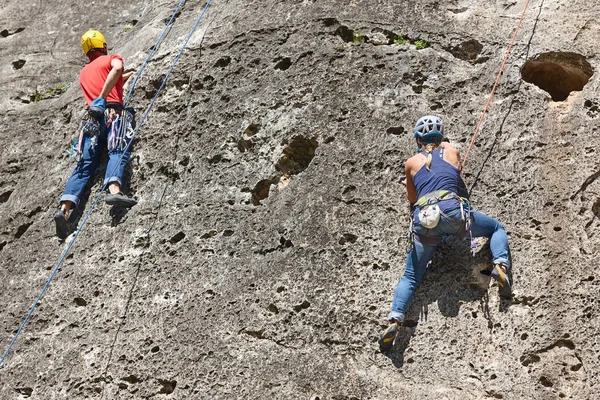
x,y
411,191
112,78
128,74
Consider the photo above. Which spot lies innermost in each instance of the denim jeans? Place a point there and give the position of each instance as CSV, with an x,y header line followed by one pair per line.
x,y
419,256
91,153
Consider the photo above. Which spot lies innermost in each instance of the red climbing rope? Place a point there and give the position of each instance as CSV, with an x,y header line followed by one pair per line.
x,y
495,84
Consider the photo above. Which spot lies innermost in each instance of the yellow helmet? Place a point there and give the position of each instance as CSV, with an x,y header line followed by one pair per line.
x,y
92,39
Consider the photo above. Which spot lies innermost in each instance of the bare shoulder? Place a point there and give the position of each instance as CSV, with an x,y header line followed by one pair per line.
x,y
448,147
414,163
451,154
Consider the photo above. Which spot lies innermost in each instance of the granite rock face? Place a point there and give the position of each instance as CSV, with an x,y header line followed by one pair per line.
x,y
270,232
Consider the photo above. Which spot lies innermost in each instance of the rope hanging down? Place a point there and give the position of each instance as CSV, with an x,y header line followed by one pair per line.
x,y
78,231
154,48
495,84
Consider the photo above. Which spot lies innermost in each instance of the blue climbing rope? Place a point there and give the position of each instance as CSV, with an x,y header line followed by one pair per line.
x,y
154,48
81,226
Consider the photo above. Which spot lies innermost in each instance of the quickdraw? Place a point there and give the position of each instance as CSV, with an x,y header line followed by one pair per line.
x,y
88,126
119,124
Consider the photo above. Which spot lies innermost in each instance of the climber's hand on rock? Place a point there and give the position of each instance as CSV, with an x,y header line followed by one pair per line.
x,y
127,74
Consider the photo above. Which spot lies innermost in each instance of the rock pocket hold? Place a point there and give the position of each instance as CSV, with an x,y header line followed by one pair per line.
x,y
558,73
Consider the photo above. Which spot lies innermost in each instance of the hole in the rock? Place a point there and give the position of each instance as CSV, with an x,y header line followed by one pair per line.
x,y
467,50
27,391
80,302
209,234
348,238
18,64
558,73
396,130
22,229
178,237
345,33
4,196
244,145
576,367
297,155
304,305
329,21
223,62
167,386
595,208
285,243
283,64
546,382
529,359
564,343
349,189
262,188
252,129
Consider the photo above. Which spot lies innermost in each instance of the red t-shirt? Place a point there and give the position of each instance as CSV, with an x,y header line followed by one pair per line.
x,y
94,75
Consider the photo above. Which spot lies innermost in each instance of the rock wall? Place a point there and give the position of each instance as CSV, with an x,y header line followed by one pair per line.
x,y
262,257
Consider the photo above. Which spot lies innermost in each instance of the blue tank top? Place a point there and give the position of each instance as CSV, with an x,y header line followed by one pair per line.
x,y
441,176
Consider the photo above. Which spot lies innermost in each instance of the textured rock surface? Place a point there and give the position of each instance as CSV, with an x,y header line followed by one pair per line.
x,y
269,235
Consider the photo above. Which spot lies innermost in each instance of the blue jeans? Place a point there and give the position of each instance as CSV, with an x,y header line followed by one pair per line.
x,y
91,153
419,256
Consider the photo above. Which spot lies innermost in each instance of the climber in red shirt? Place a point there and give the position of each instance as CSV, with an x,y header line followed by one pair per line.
x,y
107,126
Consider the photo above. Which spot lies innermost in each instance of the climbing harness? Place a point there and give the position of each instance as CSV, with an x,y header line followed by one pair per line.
x,y
429,215
120,126
93,206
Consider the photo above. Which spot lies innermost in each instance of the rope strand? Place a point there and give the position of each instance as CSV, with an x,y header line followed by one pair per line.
x,y
489,100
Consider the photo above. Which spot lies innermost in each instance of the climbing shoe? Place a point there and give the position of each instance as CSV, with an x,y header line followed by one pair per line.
x,y
500,274
388,337
119,199
62,227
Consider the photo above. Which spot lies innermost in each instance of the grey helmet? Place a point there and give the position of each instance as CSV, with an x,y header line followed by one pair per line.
x,y
429,126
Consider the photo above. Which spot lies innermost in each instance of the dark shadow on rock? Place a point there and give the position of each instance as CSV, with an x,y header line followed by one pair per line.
x,y
454,277
405,333
117,213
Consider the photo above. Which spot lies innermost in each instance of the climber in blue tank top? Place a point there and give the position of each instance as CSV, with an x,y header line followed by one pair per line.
x,y
431,184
